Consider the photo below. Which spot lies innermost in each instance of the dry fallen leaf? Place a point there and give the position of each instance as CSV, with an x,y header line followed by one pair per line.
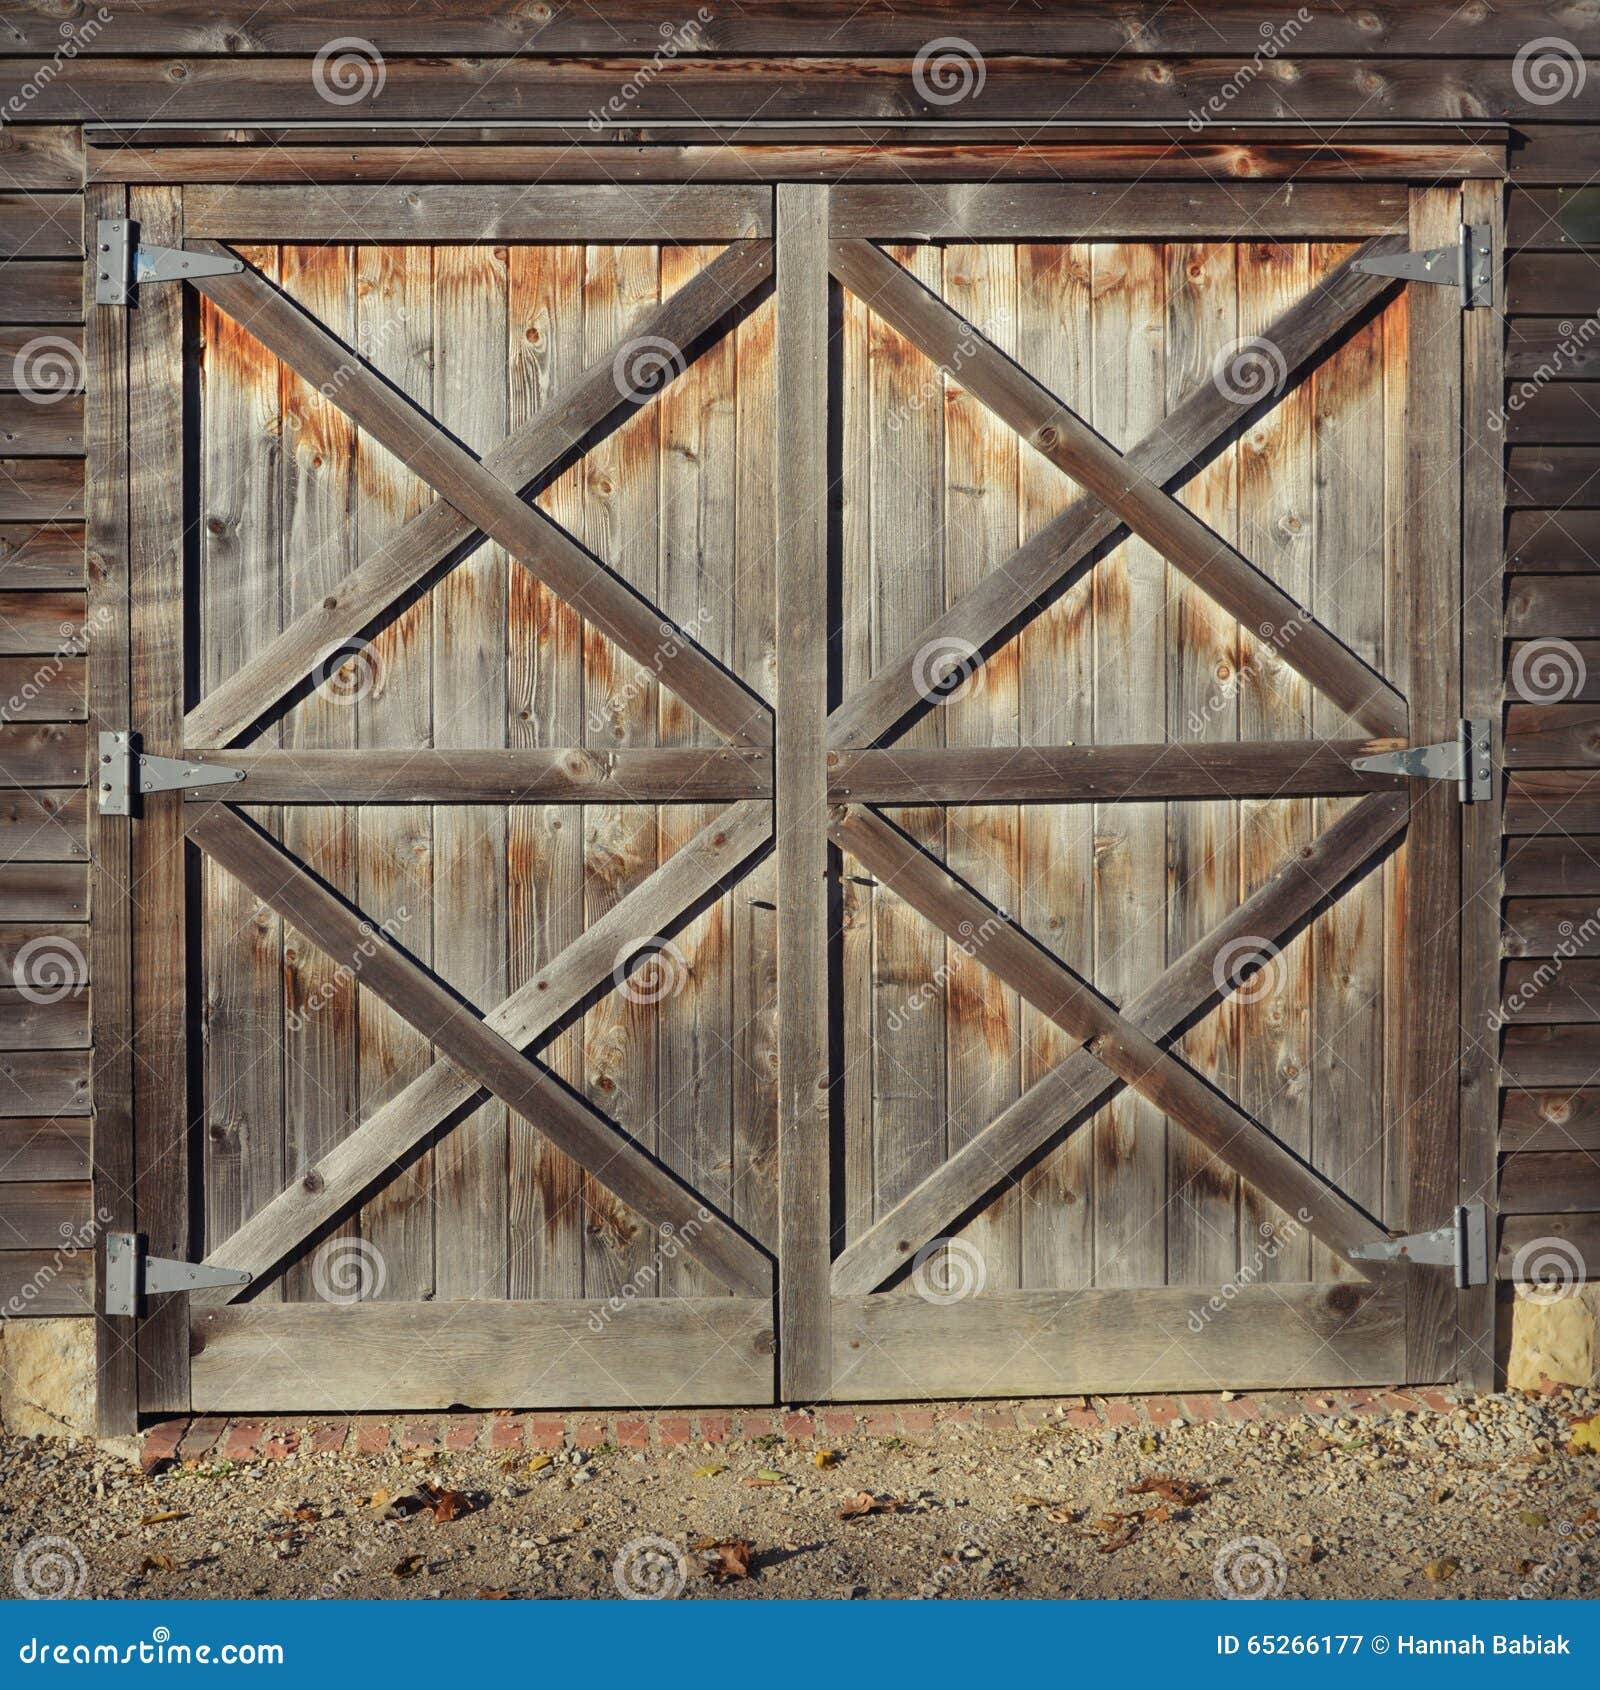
x,y
304,1513
166,1515
1586,1435
1533,1519
379,1498
407,1567
1183,1493
825,1458
863,1503
726,1558
711,1469
448,1505
1446,1567
485,1594
159,1564
538,1463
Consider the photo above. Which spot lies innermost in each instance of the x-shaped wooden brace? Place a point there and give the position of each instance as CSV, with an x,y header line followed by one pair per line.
x,y
1117,1048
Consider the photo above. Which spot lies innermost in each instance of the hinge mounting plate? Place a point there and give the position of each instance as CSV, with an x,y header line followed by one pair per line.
x,y
1463,1245
124,774
122,262
1468,760
132,1273
1467,265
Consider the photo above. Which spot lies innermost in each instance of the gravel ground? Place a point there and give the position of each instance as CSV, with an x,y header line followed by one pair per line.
x,y
1490,1500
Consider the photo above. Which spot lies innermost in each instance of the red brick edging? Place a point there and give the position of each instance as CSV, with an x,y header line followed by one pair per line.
x,y
211,1439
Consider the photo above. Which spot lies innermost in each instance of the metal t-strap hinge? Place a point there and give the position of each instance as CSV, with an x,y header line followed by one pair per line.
x,y
126,773
1463,1245
132,1273
1468,759
1467,265
122,262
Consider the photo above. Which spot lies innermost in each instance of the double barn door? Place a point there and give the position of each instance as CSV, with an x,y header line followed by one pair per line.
x,y
795,832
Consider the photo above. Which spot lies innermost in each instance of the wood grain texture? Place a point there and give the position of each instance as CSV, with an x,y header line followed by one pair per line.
x,y
1550,1120
657,1353
46,1282
1119,1338
49,556
1533,1246
44,1150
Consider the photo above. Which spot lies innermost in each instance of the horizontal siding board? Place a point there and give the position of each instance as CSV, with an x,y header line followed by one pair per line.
x,y
33,1149
60,949
1547,349
41,291
39,623
1550,1056
46,426
1565,542
41,359
49,826
1547,284
41,489
1551,991
1553,867
1525,1242
1555,414
35,557
1553,475
36,1283
1552,736
46,689
1550,1182
44,891
50,755
41,226
40,1213
35,157
44,1082
1564,605
1550,1120
32,1018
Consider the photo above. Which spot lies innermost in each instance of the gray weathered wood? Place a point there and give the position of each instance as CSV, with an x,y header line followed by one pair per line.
x,y
800,777
1550,1120
44,1150
588,1354
485,1054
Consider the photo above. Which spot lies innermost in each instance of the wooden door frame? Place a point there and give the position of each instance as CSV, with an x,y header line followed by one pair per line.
x,y
141,1114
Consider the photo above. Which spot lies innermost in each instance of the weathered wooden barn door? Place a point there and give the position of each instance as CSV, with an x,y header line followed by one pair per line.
x,y
1149,529
809,819
501,763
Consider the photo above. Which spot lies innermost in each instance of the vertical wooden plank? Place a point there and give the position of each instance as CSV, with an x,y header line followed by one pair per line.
x,y
1055,657
621,524
1483,488
1129,303
1348,527
1275,531
983,1033
392,678
469,697
545,701
111,893
1202,707
908,533
240,605
755,899
319,1018
1429,1033
156,575
695,1068
800,785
